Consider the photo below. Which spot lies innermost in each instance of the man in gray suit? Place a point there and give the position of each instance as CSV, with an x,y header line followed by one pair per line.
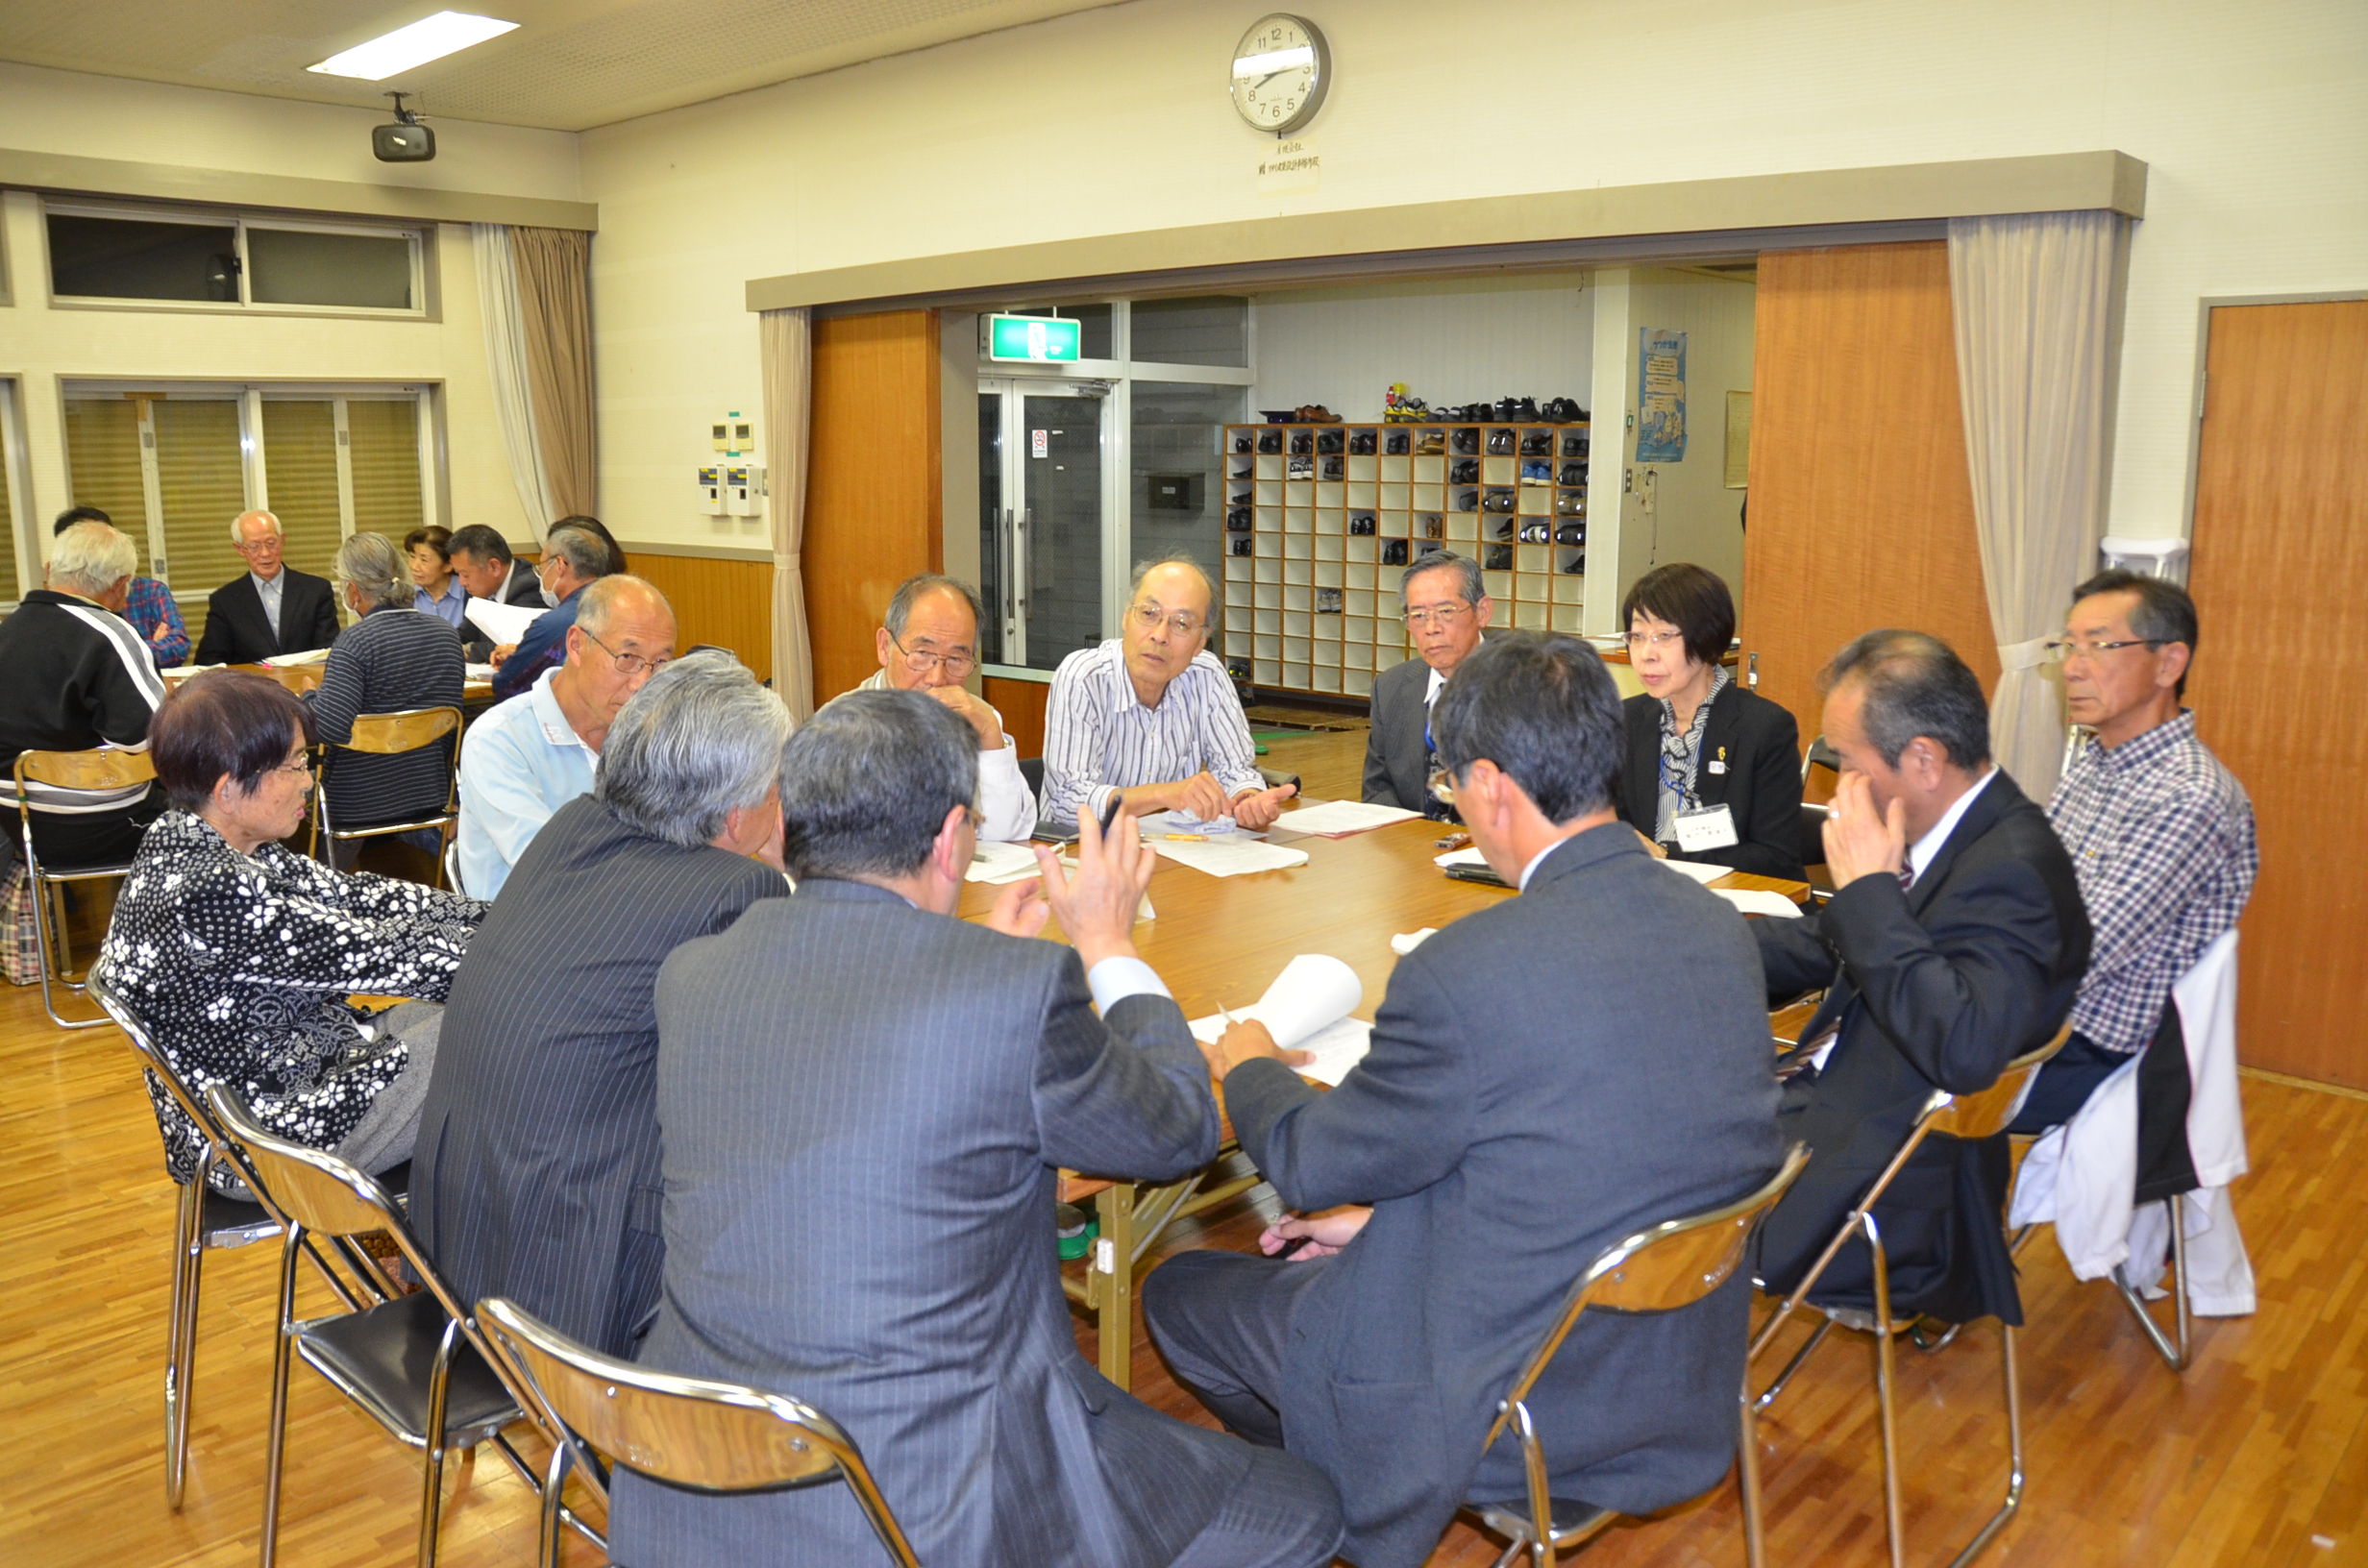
x,y
1548,1075
536,1171
1446,607
863,1103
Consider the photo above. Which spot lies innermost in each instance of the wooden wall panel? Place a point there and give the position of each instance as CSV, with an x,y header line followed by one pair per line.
x,y
874,504
1022,703
2280,549
1862,507
729,603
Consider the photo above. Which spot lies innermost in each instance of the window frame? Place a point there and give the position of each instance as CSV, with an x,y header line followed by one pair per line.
x,y
240,221
15,473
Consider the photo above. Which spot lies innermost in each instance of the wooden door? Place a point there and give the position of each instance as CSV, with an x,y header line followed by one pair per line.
x,y
873,507
1862,507
2281,552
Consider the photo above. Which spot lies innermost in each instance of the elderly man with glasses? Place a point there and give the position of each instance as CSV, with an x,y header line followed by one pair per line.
x,y
2160,831
930,645
534,754
1445,609
269,609
1152,719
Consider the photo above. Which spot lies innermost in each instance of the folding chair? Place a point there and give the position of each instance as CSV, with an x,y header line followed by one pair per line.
x,y
413,1363
1673,1264
206,1219
104,769
389,734
1813,813
690,1433
1971,1118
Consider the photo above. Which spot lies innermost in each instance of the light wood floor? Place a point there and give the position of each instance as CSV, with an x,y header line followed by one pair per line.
x,y
2257,1456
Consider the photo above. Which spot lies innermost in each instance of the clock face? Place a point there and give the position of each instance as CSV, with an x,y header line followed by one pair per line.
x,y
1281,71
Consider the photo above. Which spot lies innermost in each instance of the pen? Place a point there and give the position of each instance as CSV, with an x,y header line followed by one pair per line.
x,y
1183,838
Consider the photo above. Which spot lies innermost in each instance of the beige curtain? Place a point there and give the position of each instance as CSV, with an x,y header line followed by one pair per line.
x,y
2036,303
505,368
788,352
555,317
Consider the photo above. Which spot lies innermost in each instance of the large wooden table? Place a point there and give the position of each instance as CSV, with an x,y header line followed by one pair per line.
x,y
301,678
1217,941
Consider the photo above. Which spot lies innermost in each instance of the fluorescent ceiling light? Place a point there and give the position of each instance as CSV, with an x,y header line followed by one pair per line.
x,y
432,37
1267,65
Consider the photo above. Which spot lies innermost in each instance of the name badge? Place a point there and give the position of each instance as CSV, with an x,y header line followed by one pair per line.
x,y
1718,767
1706,828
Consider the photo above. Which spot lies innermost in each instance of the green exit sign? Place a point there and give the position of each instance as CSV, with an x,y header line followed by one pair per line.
x,y
1034,339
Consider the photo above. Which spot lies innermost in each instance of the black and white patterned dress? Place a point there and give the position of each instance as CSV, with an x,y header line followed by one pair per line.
x,y
240,966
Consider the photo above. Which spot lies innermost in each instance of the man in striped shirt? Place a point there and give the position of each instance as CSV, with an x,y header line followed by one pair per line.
x,y
1152,717
2159,832
79,676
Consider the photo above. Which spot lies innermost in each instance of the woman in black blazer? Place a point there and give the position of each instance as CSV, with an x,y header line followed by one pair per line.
x,y
1698,742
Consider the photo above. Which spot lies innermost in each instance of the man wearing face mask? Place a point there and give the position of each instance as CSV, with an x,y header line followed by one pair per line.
x,y
1954,942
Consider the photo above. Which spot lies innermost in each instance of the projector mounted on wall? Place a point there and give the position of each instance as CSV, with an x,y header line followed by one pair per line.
x,y
406,141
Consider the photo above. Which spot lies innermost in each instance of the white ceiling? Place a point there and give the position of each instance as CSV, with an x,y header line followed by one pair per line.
x,y
571,64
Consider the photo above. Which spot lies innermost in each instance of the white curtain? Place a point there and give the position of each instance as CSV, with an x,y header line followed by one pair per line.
x,y
505,360
2034,299
788,341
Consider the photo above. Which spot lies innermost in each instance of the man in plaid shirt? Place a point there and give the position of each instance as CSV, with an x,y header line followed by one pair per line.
x,y
2160,834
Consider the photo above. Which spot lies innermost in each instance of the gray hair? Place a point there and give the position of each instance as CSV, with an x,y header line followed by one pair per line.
x,y
1915,685
586,552
700,740
598,604
238,538
1143,569
370,563
867,782
1467,575
89,558
908,594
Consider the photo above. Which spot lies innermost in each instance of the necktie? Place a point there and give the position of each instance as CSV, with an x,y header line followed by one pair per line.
x,y
1906,877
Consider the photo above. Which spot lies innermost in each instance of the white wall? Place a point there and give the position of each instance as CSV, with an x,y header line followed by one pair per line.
x,y
1454,341
2254,120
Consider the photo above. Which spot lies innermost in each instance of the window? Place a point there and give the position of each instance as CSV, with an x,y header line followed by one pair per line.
x,y
174,257
1210,332
11,470
173,466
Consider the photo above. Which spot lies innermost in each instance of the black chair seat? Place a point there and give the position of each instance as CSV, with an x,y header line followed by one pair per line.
x,y
1573,1520
232,1222
1032,769
383,1360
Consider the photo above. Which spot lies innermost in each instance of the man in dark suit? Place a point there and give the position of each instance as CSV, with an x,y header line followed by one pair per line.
x,y
1935,984
273,609
574,559
482,560
863,1104
1543,1082
1446,607
536,1171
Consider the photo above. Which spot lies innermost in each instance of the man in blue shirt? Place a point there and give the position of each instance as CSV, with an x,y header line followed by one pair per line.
x,y
573,560
532,756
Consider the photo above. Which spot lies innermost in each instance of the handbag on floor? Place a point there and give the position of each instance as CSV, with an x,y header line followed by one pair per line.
x,y
21,942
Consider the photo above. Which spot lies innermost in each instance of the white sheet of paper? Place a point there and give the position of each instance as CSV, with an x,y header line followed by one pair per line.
x,y
478,672
1232,854
310,655
504,622
188,668
1335,819
1754,902
1307,1008
1705,874
1337,1047
1460,857
1000,863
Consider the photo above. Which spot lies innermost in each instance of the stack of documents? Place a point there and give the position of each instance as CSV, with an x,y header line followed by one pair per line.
x,y
1306,1009
504,622
1338,818
310,655
1229,854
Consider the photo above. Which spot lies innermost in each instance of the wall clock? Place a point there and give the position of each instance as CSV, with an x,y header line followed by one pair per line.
x,y
1281,71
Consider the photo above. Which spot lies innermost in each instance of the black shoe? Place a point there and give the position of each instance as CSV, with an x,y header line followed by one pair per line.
x,y
1573,474
1569,504
1538,444
1497,501
1465,471
1399,444
1238,669
1393,553
1468,501
1334,467
1269,441
1500,443
1304,443
1499,559
1331,440
1570,533
1467,442
1577,567
1241,442
1237,521
1361,444
1241,547
1574,444
1504,530
1361,524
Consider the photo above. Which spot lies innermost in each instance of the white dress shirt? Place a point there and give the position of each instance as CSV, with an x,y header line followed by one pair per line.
x,y
1920,854
269,590
1006,805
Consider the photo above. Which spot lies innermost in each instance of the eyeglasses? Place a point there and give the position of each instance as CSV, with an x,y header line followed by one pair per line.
x,y
628,664
1440,615
1442,785
1147,617
2065,652
920,661
298,765
1639,641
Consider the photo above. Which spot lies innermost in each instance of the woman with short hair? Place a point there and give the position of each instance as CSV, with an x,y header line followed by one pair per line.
x,y
437,591
1712,771
241,956
395,657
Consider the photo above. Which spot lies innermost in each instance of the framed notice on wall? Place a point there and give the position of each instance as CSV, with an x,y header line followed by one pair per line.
x,y
1739,440
1660,396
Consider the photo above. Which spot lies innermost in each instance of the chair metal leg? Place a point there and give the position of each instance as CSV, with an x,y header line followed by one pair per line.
x,y
1540,1488
180,1336
283,1351
55,949
1747,1478
432,1496
2178,1356
555,1480
1883,1388
1815,1338
2014,1453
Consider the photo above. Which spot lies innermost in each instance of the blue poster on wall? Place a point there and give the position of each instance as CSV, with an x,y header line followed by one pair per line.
x,y
1660,396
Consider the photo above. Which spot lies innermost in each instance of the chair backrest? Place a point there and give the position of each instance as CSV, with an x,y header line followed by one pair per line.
x,y
1032,769
689,1432
384,733
1821,753
319,1192
1673,1264
1981,1115
106,767
192,1105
